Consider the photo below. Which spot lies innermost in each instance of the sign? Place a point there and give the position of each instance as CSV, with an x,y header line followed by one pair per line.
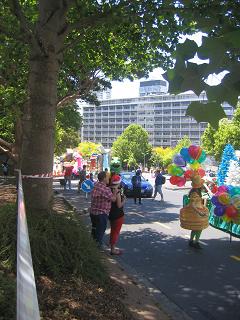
x,y
87,185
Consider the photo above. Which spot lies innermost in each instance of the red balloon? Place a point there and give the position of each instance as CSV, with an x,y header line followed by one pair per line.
x,y
174,180
188,174
231,211
201,172
181,182
195,152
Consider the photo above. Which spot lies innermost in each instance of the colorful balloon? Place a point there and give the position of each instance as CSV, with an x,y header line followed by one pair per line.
x,y
202,157
184,153
195,152
224,198
231,212
179,161
181,182
215,201
223,189
219,211
201,172
195,165
188,174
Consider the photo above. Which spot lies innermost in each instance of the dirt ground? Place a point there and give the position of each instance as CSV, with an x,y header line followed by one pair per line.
x,y
74,299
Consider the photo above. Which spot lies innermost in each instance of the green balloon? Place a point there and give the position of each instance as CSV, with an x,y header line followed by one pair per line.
x,y
202,157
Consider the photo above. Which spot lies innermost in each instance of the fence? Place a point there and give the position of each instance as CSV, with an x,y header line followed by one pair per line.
x,y
27,302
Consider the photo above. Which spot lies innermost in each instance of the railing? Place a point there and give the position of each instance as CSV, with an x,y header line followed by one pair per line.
x,y
27,302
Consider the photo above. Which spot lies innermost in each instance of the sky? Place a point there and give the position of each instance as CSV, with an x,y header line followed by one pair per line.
x,y
129,89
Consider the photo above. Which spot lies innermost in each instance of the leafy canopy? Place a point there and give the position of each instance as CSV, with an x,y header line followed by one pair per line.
x,y
132,146
86,149
214,141
219,52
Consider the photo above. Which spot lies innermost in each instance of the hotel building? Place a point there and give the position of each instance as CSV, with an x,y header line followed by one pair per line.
x,y
160,113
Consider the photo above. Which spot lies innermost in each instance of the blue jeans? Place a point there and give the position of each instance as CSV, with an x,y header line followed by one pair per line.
x,y
158,189
99,226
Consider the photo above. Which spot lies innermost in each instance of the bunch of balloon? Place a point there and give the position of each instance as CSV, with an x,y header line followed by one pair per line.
x,y
194,156
190,159
227,203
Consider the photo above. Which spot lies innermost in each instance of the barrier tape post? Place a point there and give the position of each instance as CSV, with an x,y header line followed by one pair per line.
x,y
27,302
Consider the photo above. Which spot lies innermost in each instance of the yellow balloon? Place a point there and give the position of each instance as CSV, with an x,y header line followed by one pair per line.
x,y
195,165
224,198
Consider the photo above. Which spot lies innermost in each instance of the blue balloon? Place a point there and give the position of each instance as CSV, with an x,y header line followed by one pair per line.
x,y
179,161
215,201
219,211
184,153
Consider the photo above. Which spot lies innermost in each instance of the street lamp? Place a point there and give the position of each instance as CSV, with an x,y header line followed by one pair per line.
x,y
144,162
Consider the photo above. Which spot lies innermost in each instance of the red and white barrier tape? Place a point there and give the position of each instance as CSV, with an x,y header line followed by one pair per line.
x,y
36,176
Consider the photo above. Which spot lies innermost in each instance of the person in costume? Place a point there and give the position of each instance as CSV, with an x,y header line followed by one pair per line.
x,y
194,217
116,214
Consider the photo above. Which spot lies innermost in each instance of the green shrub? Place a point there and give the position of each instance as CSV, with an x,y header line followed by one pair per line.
x,y
60,244
7,296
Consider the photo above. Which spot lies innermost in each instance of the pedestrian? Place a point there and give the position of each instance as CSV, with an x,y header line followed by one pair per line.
x,y
107,175
101,199
194,217
82,176
5,169
137,183
68,168
116,215
159,181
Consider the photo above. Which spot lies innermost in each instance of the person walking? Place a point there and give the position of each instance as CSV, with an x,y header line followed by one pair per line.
x,y
116,214
82,176
101,199
137,183
159,181
68,168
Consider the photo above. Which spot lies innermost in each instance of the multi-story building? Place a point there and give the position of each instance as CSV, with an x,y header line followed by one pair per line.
x,y
162,115
151,87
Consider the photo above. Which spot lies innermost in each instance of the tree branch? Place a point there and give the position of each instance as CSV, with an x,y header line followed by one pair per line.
x,y
16,9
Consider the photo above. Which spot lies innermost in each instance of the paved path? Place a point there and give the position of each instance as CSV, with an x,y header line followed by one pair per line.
x,y
205,284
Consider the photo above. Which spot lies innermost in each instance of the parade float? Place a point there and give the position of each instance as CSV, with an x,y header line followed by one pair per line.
x,y
225,210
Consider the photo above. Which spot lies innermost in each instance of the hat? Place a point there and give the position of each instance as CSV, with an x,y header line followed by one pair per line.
x,y
115,179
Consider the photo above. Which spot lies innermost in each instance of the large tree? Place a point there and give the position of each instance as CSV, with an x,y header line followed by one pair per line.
x,y
59,50
219,51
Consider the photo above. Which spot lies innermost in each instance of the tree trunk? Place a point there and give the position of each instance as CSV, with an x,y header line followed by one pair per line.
x,y
38,125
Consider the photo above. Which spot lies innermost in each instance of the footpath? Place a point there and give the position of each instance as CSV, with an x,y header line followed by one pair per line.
x,y
143,300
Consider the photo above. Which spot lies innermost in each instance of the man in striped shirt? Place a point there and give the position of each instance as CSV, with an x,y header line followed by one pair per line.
x,y
101,200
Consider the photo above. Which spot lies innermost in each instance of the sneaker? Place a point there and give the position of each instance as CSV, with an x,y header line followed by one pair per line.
x,y
197,245
191,243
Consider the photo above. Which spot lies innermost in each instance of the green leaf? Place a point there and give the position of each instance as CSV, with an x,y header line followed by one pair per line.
x,y
210,112
187,50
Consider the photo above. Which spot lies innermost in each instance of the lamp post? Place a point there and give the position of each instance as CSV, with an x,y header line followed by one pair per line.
x,y
144,162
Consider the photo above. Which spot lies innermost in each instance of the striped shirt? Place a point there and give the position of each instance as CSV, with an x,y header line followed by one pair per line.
x,y
101,199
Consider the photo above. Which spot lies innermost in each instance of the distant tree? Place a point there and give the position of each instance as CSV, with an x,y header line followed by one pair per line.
x,y
132,145
184,142
214,141
208,140
86,149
